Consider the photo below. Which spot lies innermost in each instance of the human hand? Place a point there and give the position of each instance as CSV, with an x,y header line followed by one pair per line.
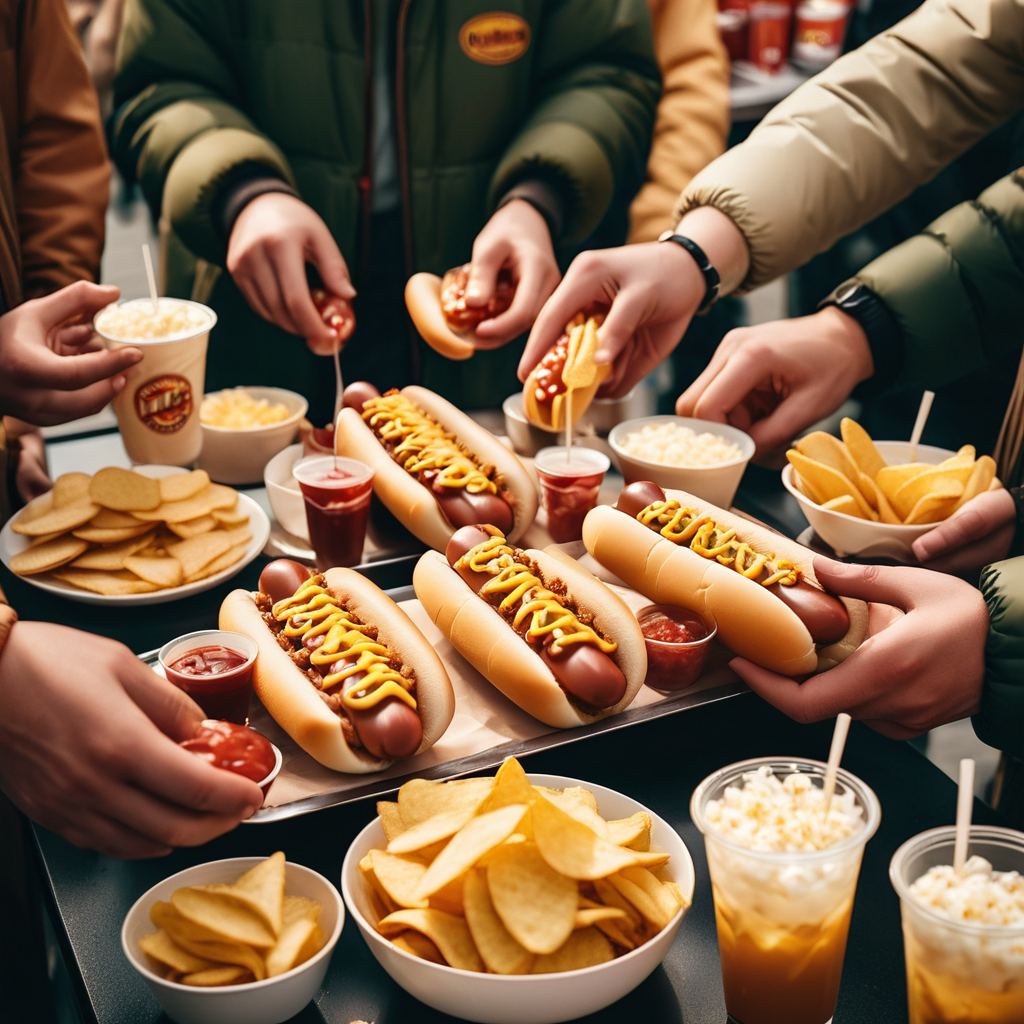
x,y
517,238
88,748
31,476
979,533
54,370
776,379
273,239
915,671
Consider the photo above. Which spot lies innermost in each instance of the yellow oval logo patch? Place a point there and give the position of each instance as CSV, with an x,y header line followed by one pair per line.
x,y
495,38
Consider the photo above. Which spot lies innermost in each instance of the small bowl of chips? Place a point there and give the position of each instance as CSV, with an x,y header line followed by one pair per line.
x,y
874,499
244,428
517,899
241,941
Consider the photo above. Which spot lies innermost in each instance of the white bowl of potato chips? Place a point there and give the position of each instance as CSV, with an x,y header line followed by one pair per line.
x,y
244,428
874,499
517,899
241,941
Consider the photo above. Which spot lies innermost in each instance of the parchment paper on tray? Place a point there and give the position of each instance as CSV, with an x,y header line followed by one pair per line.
x,y
486,724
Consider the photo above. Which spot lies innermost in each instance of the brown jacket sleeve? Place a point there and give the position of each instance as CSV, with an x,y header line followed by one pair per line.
x,y
693,115
856,139
61,170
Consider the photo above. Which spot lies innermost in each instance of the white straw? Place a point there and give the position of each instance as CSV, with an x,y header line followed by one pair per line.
x,y
964,806
835,755
922,418
148,260
568,425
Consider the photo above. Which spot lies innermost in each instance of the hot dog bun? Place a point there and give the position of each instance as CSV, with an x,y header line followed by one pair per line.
x,y
479,633
551,415
752,621
423,300
410,501
293,701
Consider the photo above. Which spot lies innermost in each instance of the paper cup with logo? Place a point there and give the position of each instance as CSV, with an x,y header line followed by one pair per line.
x,y
158,410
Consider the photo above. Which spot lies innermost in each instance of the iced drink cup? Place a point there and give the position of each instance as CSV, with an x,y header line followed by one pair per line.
x,y
963,933
158,410
337,493
783,875
569,485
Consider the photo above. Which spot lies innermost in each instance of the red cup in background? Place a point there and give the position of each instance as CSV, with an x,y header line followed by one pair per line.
x,y
768,36
569,485
199,664
733,27
337,494
819,32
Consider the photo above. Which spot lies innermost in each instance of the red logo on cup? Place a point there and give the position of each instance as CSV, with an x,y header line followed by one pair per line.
x,y
164,403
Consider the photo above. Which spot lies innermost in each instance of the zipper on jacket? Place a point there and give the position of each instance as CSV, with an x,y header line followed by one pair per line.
x,y
365,182
402,133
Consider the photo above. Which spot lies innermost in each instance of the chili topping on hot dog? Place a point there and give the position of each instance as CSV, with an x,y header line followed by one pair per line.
x,y
463,317
541,612
467,491
353,671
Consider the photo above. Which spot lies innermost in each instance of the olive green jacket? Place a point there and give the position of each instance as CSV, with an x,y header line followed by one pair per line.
x,y
203,87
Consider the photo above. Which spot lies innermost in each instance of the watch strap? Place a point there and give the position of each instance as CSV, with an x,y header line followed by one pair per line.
x,y
712,281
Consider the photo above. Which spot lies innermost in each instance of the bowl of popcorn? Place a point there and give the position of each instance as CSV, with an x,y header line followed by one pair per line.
x,y
244,428
707,459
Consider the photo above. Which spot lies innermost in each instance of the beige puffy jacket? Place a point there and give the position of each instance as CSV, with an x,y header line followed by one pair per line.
x,y
859,137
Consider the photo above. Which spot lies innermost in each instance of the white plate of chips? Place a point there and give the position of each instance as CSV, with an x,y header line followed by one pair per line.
x,y
113,551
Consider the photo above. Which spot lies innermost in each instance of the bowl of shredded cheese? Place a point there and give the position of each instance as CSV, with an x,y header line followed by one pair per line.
x,y
706,459
244,428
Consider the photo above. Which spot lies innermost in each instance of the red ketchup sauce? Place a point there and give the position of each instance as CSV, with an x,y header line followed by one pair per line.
x,y
217,678
677,643
549,374
569,487
337,506
234,748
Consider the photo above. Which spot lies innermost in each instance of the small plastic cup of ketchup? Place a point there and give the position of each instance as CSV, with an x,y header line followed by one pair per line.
x,y
237,748
214,667
337,493
569,484
677,644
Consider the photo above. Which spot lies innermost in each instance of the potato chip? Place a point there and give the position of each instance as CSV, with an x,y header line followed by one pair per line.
x,y
511,786
299,921
221,952
824,448
238,535
656,903
399,877
587,916
262,888
498,950
450,934
451,897
382,903
162,948
936,506
425,833
577,806
390,819
586,948
217,976
50,555
193,527
535,903
827,482
419,945
574,850
210,498
163,915
219,564
57,520
877,500
861,448
982,475
113,535
844,504
196,553
892,478
163,572
633,832
936,480
230,517
420,799
111,584
217,907
111,556
611,897
45,538
179,486
108,519
468,845
70,489
124,490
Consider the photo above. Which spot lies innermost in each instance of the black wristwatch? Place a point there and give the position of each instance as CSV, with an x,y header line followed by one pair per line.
x,y
711,278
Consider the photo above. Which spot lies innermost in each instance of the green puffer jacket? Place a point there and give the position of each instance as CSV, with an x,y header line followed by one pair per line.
x,y
205,87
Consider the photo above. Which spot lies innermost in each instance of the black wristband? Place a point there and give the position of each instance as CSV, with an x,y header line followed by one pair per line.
x,y
704,265
885,339
544,198
240,187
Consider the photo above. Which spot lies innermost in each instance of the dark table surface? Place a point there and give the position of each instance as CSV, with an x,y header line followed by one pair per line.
x,y
658,763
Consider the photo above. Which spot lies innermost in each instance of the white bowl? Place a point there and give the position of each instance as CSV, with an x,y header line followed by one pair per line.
x,y
848,535
716,484
531,998
260,1002
239,456
286,501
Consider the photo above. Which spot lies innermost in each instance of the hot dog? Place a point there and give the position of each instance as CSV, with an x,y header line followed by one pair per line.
x,y
341,668
439,311
551,637
435,469
562,385
759,586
